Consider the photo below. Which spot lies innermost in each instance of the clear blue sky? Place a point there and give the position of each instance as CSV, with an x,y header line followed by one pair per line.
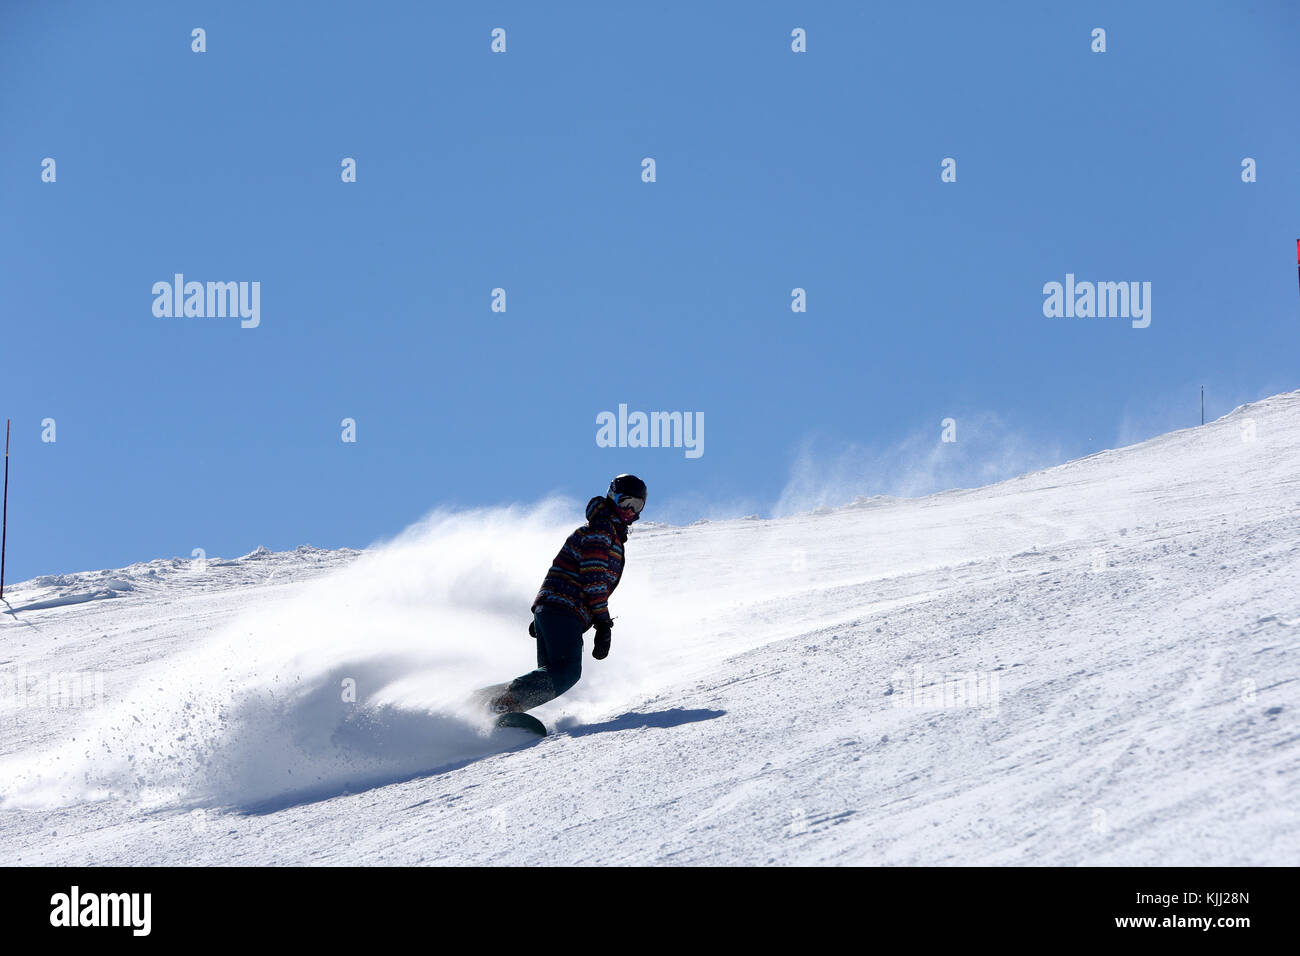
x,y
775,170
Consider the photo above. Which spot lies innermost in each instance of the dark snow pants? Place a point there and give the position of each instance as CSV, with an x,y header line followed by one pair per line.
x,y
559,659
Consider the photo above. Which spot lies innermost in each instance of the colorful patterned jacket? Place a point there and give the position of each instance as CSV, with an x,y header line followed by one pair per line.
x,y
588,567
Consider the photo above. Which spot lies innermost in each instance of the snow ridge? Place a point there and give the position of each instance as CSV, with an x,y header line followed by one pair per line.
x,y
1095,663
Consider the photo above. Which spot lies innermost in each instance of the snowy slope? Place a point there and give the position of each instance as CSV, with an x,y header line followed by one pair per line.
x,y
1120,635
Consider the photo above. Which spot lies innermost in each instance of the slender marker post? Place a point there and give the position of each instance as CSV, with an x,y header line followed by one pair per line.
x,y
4,518
1202,404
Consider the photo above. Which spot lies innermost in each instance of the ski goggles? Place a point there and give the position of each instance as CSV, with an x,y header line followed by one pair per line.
x,y
628,501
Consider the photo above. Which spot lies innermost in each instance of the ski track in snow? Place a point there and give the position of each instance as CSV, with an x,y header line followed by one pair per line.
x,y
1139,610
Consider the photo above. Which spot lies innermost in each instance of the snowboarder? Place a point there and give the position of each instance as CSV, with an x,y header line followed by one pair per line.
x,y
573,598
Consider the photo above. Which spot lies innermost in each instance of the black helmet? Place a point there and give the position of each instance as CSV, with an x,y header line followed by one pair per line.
x,y
627,491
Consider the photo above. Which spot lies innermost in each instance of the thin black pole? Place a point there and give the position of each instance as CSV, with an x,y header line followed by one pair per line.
x,y
1202,404
4,518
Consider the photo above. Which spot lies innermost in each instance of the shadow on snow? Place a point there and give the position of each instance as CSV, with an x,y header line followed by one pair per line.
x,y
511,739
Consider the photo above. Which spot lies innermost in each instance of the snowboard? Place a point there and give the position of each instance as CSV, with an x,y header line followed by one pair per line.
x,y
483,697
522,721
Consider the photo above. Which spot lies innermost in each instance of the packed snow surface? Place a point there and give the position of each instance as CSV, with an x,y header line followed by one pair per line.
x,y
1092,664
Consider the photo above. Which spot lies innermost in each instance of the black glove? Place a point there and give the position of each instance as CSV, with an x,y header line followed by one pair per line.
x,y
600,649
532,628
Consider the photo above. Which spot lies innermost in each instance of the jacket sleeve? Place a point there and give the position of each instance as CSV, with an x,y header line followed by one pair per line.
x,y
594,571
